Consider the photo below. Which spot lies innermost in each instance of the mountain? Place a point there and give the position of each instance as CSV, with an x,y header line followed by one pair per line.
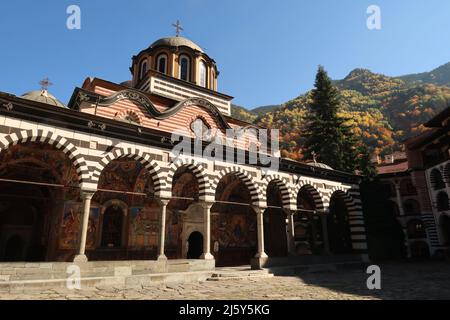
x,y
265,109
438,76
384,110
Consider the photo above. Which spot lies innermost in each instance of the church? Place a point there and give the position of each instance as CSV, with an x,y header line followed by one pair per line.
x,y
97,179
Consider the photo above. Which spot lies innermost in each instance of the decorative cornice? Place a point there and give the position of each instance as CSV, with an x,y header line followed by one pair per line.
x,y
144,101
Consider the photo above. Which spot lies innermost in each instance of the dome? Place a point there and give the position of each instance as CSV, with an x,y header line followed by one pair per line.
x,y
319,165
176,42
43,96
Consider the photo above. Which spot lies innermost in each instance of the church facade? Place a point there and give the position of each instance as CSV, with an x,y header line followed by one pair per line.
x,y
99,179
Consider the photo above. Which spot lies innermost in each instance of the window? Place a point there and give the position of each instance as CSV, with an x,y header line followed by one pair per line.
x,y
203,74
185,68
143,70
443,202
411,207
161,63
436,180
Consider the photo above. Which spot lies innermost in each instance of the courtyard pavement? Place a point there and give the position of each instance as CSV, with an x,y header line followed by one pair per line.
x,y
398,281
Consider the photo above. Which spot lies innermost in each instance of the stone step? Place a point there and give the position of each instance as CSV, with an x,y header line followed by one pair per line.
x,y
124,281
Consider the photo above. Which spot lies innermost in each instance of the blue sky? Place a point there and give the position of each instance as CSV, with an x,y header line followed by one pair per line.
x,y
267,50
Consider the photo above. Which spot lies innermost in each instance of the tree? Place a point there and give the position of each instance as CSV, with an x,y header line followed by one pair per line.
x,y
327,134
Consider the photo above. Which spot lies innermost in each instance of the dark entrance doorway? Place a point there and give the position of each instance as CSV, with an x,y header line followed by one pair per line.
x,y
112,227
195,242
338,226
14,249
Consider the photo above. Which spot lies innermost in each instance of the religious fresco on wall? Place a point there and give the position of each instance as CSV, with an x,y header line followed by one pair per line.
x,y
143,184
234,230
173,228
119,175
39,162
144,226
70,226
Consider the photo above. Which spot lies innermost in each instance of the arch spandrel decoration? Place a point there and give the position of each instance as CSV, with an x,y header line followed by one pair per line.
x,y
205,191
49,137
319,199
135,154
283,184
258,198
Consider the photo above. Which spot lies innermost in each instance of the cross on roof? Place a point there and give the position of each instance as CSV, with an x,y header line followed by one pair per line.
x,y
45,83
178,27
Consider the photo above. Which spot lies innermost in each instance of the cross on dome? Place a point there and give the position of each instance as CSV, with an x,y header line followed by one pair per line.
x,y
178,28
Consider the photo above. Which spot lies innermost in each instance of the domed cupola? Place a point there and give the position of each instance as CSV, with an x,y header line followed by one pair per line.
x,y
176,57
43,96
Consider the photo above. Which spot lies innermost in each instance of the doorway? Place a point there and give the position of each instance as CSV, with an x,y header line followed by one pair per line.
x,y
195,243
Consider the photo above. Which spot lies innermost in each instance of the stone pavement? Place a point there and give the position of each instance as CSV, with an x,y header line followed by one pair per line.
x,y
398,281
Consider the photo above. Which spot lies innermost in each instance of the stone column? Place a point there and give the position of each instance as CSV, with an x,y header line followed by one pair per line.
x,y
162,229
326,244
290,226
399,199
261,257
207,231
81,256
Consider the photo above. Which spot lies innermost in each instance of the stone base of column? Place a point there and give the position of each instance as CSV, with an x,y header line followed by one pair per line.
x,y
162,257
80,258
259,261
207,256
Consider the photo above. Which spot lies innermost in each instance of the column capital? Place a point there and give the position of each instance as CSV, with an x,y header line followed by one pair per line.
x,y
207,204
87,194
258,210
162,201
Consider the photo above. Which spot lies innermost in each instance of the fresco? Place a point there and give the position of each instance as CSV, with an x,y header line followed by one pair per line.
x,y
70,226
119,175
144,226
234,230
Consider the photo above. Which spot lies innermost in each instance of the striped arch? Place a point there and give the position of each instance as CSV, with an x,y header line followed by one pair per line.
x,y
319,200
286,197
258,198
51,138
352,201
135,154
204,189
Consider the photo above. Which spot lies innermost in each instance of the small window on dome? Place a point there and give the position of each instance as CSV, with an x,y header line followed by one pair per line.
x,y
143,70
203,74
185,68
161,63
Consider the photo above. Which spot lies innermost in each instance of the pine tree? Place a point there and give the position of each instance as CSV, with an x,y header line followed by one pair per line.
x,y
324,134
327,134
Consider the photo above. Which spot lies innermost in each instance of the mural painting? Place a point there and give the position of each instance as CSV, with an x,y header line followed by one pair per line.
x,y
144,228
70,226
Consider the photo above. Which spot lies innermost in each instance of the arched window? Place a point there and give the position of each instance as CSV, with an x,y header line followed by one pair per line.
x,y
185,68
143,70
203,74
447,173
442,201
411,207
436,179
161,63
